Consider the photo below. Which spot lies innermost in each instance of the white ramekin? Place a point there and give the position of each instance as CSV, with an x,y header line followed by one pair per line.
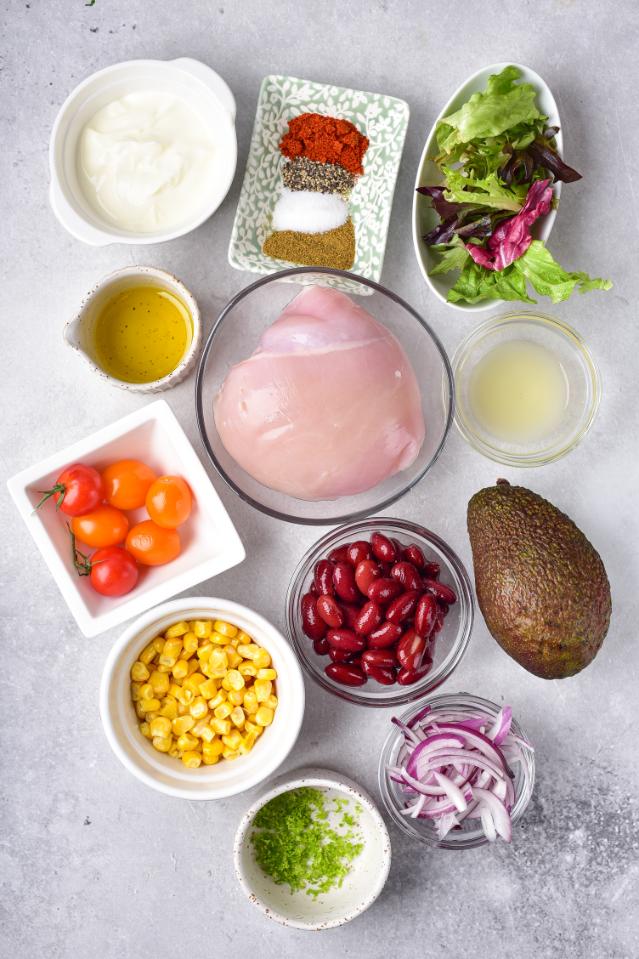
x,y
166,773
201,86
359,889
78,330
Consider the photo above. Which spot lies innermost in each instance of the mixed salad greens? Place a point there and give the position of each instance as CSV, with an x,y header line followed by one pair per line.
x,y
498,161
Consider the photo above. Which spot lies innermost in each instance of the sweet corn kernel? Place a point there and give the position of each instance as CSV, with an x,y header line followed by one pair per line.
x,y
204,652
247,668
174,689
199,708
182,709
244,637
208,689
220,640
267,673
237,717
234,657
218,659
250,701
202,628
159,682
147,654
250,727
230,753
191,759
161,727
184,696
146,691
248,650
226,629
190,641
162,744
223,710
139,711
262,689
182,724
174,751
186,741
264,716
169,708
209,758
261,658
235,697
218,699
163,669
135,692
271,702
181,669
203,731
233,739
158,643
171,652
145,729
248,741
193,682
139,672
221,726
149,705
194,666
178,629
235,679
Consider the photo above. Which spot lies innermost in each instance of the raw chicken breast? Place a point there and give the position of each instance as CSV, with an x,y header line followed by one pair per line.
x,y
327,406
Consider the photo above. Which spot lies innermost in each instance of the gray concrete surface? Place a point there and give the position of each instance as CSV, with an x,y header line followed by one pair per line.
x,y
91,861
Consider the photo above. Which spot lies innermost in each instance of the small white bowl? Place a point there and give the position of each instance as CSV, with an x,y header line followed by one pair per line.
x,y
210,543
78,332
360,888
425,218
166,773
201,87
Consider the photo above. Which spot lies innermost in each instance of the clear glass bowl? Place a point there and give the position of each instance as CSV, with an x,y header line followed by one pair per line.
x,y
582,380
236,334
470,834
451,643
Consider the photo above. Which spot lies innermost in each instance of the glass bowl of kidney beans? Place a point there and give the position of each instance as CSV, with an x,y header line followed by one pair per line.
x,y
380,611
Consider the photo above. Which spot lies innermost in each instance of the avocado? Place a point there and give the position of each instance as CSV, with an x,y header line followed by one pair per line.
x,y
541,586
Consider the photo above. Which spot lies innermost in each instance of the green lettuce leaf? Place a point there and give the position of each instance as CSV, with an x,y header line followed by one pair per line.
x,y
503,105
550,279
489,191
454,256
475,283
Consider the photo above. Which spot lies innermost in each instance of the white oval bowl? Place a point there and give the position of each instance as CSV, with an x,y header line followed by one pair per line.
x,y
425,218
78,331
165,773
359,889
195,82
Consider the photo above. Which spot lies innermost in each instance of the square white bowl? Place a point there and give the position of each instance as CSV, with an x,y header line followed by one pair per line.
x,y
210,543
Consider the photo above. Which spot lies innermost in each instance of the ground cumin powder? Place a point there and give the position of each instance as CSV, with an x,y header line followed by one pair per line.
x,y
335,248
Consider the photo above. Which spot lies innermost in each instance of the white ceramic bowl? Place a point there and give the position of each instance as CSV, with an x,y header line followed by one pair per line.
x,y
210,543
166,773
360,888
425,218
78,332
205,91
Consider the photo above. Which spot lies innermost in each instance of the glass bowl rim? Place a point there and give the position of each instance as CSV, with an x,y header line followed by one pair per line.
x,y
339,517
578,345
430,682
522,799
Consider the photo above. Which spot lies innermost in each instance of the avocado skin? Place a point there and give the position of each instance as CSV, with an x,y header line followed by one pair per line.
x,y
541,585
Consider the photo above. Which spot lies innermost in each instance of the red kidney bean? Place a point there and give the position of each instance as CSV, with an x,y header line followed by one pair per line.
x,y
410,650
313,590
312,624
321,646
358,551
370,616
425,615
346,674
406,677
339,554
385,675
398,546
385,635
323,578
383,549
383,590
344,582
413,554
378,657
365,573
402,607
346,639
329,611
432,570
351,612
339,655
407,575
441,591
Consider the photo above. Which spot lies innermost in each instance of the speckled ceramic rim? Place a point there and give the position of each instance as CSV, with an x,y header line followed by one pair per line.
x,y
321,779
199,409
362,530
591,373
407,825
144,273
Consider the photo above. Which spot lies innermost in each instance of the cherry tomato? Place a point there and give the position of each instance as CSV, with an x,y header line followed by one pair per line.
x,y
77,490
103,526
169,501
152,545
114,572
126,483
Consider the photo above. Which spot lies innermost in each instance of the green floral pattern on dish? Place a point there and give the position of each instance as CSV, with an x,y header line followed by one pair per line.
x,y
381,118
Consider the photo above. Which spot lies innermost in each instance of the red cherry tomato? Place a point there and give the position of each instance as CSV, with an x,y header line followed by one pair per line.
x,y
151,545
103,526
169,501
77,490
126,483
114,572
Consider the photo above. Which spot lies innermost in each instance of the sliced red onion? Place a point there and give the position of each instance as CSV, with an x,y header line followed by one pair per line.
x,y
501,727
497,810
453,792
487,824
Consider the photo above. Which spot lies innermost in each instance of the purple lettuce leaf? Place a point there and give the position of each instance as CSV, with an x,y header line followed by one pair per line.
x,y
512,237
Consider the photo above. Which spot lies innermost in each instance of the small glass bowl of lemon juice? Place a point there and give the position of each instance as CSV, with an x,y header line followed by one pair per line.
x,y
527,389
139,328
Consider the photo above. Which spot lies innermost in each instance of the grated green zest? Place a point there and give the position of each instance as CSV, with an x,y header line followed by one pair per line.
x,y
296,845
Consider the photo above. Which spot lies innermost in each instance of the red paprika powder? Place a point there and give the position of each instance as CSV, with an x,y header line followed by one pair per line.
x,y
325,140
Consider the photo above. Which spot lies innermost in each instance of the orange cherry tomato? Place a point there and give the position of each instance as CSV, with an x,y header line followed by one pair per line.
x,y
126,483
151,545
103,526
169,501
